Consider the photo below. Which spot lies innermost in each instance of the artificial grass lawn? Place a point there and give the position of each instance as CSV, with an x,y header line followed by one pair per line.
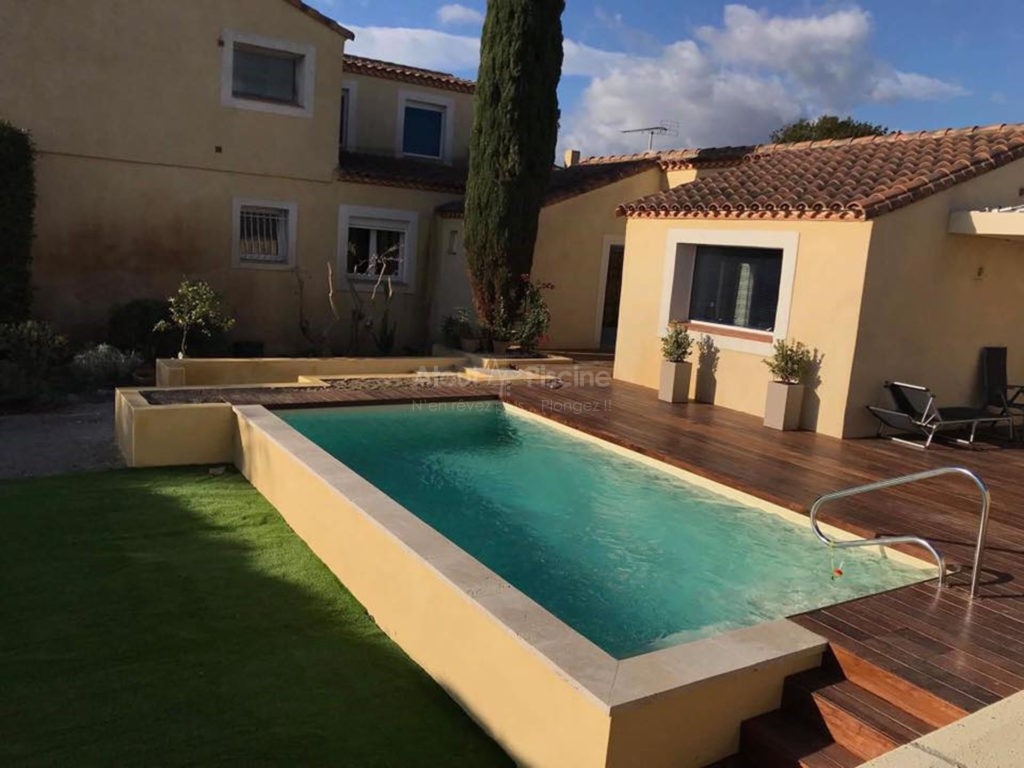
x,y
168,616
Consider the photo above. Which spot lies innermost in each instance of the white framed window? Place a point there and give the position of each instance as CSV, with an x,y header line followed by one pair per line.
x,y
425,126
267,75
735,286
376,241
263,233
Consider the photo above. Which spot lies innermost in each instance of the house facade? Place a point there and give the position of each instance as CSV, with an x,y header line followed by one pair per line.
x,y
231,141
863,249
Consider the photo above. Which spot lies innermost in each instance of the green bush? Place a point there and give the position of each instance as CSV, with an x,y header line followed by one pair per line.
x,y
104,366
17,211
196,307
131,325
790,361
675,344
534,315
32,354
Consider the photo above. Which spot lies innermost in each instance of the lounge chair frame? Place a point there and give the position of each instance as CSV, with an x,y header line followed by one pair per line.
x,y
916,412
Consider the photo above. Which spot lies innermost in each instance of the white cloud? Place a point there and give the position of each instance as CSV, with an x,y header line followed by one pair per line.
x,y
459,14
714,107
434,49
895,86
735,83
428,48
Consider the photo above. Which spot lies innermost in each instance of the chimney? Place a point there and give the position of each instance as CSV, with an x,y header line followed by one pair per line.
x,y
572,157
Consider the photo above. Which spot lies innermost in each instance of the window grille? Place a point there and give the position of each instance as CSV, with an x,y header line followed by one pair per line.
x,y
263,235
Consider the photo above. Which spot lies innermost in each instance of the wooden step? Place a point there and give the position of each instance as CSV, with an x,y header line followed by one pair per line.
x,y
919,702
857,719
779,740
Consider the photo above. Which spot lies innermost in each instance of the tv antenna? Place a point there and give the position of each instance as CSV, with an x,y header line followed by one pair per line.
x,y
663,128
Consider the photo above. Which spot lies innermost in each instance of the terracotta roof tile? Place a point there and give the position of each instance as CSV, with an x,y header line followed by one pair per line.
x,y
325,20
388,70
576,180
836,179
407,172
678,158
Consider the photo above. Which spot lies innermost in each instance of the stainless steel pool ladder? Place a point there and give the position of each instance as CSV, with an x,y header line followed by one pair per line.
x,y
903,480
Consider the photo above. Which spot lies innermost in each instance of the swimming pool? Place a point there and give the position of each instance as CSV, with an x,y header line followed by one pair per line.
x,y
632,557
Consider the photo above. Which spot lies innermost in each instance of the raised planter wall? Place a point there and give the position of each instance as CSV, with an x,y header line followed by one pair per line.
x,y
228,371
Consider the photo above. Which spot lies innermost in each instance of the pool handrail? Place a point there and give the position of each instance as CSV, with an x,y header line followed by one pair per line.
x,y
885,540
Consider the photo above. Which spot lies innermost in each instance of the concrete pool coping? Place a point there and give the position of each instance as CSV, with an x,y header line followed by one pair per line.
x,y
546,693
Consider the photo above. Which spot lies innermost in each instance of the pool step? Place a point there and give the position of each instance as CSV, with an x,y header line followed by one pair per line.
x,y
865,724
840,715
780,740
861,668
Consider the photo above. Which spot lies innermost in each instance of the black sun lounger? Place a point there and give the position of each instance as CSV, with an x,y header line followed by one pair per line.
x,y
915,412
999,394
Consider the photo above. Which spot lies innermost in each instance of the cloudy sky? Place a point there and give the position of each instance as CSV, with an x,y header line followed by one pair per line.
x,y
731,73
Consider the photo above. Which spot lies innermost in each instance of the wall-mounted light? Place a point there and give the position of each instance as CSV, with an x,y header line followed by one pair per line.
x,y
452,235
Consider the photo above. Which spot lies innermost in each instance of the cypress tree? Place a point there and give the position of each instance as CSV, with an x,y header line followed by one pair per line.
x,y
512,147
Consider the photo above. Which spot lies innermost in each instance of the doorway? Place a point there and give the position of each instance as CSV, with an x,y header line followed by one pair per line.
x,y
612,291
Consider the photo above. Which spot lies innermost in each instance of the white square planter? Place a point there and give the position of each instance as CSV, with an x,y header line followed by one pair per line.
x,y
782,405
674,386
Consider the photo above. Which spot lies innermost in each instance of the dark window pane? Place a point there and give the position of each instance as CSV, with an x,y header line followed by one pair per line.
x,y
736,286
265,75
343,125
358,250
422,131
389,251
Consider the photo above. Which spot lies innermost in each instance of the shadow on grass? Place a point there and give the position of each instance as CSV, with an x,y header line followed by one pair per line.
x,y
170,617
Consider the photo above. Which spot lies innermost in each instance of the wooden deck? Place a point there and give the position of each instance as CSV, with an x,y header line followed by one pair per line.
x,y
968,654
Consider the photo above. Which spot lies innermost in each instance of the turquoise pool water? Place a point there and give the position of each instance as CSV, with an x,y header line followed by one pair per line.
x,y
633,558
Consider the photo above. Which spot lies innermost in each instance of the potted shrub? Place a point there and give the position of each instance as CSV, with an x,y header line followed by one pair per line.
x,y
469,339
675,371
451,331
501,329
531,327
789,364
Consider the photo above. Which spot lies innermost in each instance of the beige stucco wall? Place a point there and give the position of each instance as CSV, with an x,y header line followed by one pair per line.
x,y
571,240
826,292
108,232
449,279
932,299
374,117
677,176
141,80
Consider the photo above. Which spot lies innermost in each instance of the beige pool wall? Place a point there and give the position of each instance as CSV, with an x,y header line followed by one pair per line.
x,y
546,694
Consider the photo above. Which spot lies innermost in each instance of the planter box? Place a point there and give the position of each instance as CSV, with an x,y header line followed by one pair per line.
x,y
782,405
674,386
500,347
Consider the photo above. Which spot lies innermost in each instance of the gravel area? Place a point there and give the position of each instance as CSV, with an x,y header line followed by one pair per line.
x,y
74,438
